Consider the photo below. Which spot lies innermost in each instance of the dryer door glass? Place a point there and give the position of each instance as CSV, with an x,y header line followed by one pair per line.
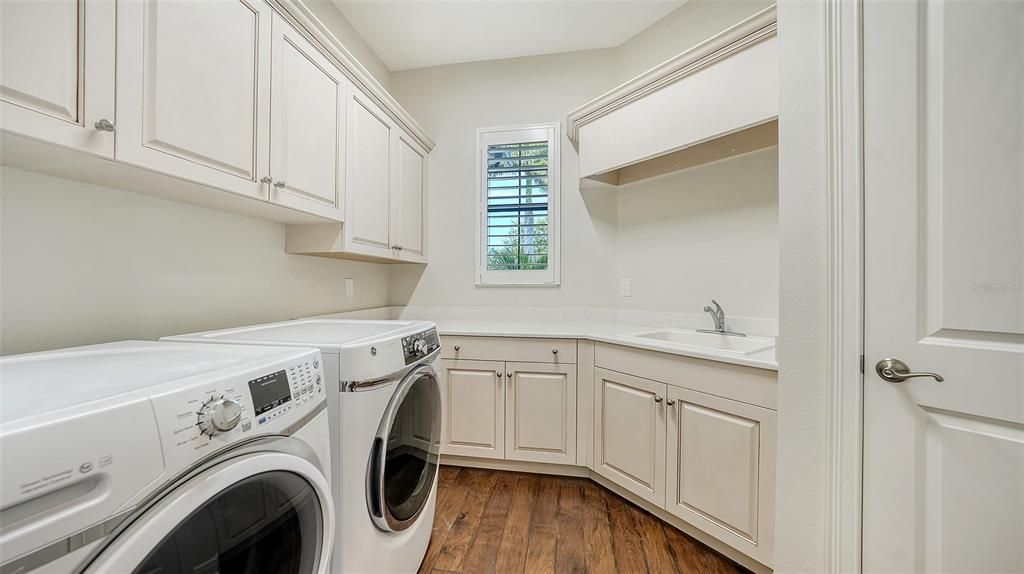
x,y
269,522
403,464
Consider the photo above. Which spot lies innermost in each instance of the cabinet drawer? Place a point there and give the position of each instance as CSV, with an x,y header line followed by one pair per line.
x,y
521,350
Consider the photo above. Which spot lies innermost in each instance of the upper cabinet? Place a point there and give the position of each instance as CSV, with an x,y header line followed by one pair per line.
x,y
57,73
193,91
716,100
385,190
307,126
249,106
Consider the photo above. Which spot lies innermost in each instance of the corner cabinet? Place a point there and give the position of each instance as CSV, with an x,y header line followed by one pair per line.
x,y
47,49
509,409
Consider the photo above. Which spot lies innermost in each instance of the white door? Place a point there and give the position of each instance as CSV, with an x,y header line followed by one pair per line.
x,y
408,205
540,412
368,189
473,403
57,72
944,286
721,469
193,90
629,433
307,126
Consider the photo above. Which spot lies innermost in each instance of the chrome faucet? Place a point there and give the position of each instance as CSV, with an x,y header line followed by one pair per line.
x,y
718,316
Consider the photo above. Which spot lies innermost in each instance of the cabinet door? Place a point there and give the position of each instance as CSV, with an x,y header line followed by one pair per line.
x,y
473,407
408,202
540,412
57,71
629,433
193,90
307,121
368,189
721,469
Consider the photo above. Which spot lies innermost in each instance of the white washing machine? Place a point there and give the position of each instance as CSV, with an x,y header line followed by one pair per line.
x,y
161,457
385,413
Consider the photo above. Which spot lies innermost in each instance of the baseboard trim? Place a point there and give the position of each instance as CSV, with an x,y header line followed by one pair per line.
x,y
583,472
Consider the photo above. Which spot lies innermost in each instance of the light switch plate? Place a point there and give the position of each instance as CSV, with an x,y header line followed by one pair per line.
x,y
624,287
350,287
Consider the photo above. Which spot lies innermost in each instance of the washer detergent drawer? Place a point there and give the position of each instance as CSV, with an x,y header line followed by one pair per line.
x,y
73,474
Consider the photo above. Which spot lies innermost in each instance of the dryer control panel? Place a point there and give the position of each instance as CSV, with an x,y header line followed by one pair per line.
x,y
419,345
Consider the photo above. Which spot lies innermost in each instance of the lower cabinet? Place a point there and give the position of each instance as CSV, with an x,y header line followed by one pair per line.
x,y
721,469
629,433
509,410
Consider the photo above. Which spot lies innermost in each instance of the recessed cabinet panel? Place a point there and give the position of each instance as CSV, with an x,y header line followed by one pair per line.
x,y
40,60
307,125
540,415
473,394
369,177
629,433
193,90
721,468
46,51
407,214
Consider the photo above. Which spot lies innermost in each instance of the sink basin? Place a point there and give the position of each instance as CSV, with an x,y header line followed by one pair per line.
x,y
744,345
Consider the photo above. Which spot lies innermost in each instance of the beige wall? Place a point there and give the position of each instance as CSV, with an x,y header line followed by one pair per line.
x,y
661,234
451,102
342,29
84,264
707,232
686,26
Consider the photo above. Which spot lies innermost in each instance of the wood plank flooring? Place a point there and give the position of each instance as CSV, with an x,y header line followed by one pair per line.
x,y
510,522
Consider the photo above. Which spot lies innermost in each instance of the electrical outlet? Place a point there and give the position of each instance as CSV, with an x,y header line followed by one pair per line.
x,y
350,287
624,287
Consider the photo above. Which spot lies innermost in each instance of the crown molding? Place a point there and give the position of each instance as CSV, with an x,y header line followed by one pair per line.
x,y
316,31
753,30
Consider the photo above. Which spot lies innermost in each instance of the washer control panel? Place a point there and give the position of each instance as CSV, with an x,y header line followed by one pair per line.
x,y
198,419
419,345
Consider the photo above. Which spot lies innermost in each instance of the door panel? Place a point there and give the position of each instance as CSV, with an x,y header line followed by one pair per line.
x,y
307,125
369,177
473,395
194,91
540,413
944,285
47,52
721,469
408,204
629,433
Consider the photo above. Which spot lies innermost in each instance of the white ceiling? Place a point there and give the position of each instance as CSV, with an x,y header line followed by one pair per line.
x,y
409,34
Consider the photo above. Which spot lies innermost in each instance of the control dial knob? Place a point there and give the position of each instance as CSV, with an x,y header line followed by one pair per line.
x,y
219,415
420,346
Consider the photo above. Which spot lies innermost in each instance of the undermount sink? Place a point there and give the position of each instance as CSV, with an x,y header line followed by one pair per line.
x,y
744,345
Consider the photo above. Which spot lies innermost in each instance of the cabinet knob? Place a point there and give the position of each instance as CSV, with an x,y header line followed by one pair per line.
x,y
671,402
279,184
554,351
500,374
104,125
398,247
457,348
266,179
658,398
509,375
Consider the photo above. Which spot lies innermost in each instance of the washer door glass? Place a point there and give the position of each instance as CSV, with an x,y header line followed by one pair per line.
x,y
403,462
269,522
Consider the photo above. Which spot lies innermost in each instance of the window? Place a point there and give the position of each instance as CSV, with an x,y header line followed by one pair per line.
x,y
517,227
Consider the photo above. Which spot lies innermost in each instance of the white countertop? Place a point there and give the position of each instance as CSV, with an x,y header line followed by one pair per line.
x,y
615,333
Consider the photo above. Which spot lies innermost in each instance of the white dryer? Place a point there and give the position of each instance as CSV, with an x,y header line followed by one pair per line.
x,y
161,457
385,413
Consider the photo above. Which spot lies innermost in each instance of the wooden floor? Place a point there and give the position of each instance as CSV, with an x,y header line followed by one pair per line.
x,y
494,521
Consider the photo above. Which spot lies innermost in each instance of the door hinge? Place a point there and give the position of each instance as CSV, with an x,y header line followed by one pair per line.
x,y
862,364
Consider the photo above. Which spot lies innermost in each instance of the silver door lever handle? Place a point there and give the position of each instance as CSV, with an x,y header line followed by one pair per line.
x,y
896,371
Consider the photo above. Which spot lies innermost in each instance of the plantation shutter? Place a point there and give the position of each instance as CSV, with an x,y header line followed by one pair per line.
x,y
517,206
